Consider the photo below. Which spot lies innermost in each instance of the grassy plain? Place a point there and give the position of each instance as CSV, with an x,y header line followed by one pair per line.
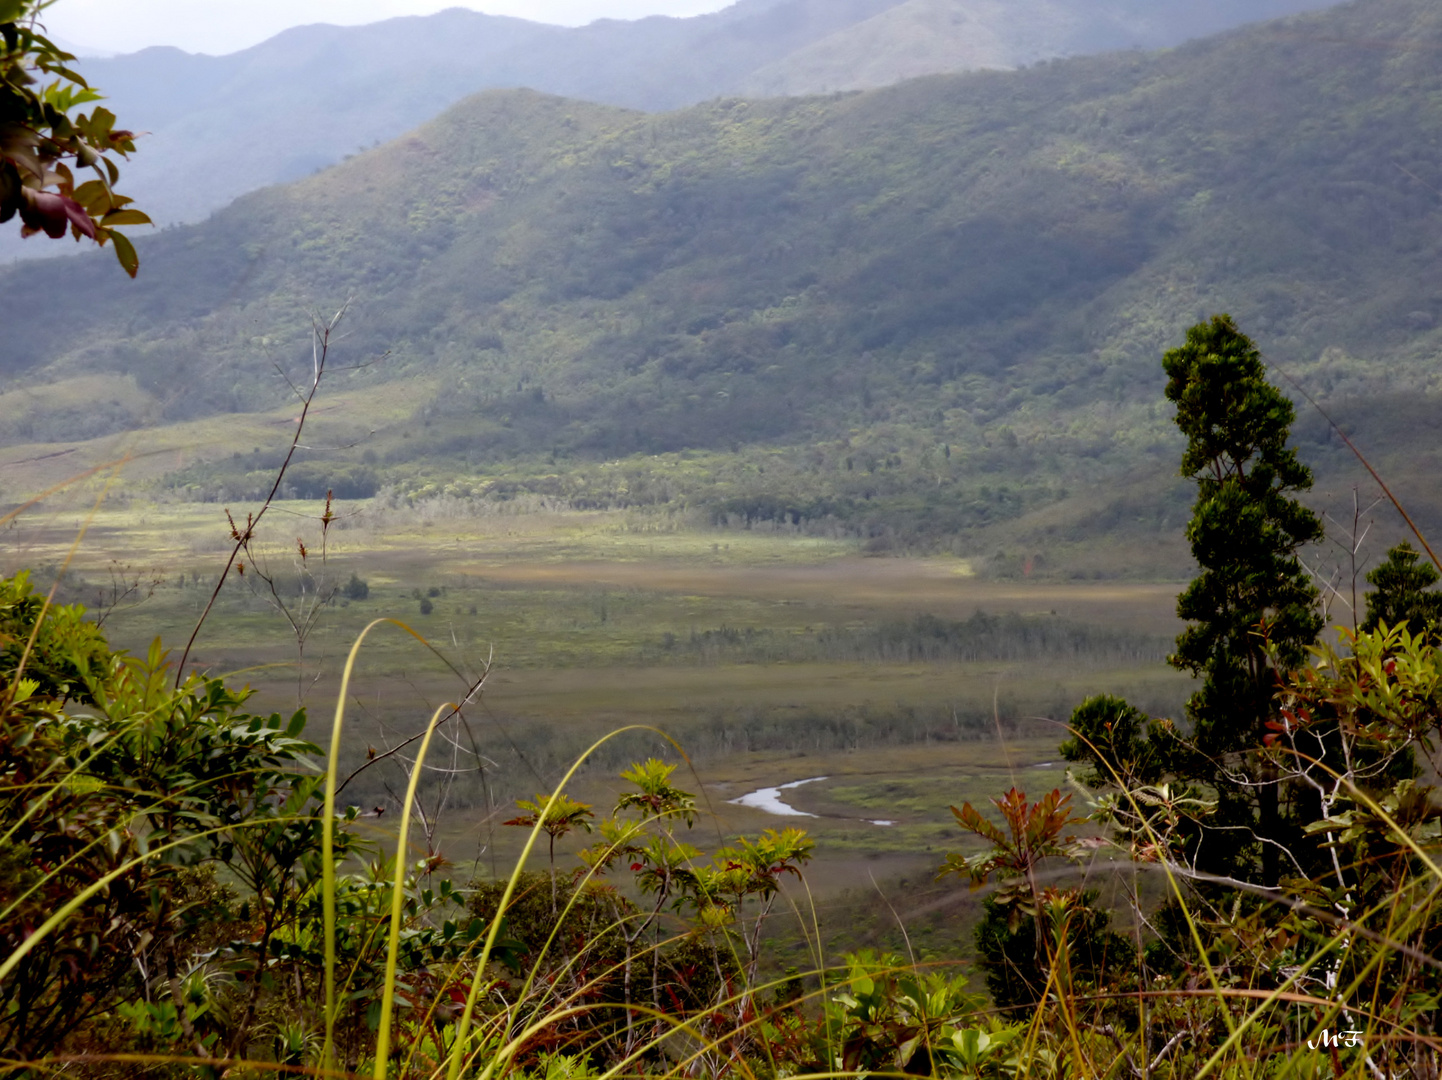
x,y
590,622
593,621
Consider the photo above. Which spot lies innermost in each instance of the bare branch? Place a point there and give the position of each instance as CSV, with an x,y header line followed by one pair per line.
x,y
320,349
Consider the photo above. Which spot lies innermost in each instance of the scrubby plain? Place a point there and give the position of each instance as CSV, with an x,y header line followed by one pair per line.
x,y
763,654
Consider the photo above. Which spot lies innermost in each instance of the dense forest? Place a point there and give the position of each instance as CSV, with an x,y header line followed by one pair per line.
x,y
309,97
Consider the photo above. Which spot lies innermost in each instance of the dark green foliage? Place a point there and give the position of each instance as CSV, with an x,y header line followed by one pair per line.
x,y
427,606
584,950
891,1019
1245,532
1401,595
1118,740
43,146
68,653
1098,955
355,588
592,913
316,480
127,794
924,639
181,839
696,972
1252,610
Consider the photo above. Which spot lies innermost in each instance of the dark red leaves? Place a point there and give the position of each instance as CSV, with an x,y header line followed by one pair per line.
x,y
53,214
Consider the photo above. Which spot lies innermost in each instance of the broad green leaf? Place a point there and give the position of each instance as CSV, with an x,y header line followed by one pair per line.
x,y
126,217
95,197
125,253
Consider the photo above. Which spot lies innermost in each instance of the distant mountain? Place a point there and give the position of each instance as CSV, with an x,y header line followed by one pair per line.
x,y
922,309
931,37
83,51
221,126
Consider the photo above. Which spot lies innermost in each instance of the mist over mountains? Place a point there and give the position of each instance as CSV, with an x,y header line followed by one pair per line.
x,y
931,308
221,126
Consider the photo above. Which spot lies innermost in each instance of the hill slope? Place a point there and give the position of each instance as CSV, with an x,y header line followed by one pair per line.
x,y
921,310
930,37
221,126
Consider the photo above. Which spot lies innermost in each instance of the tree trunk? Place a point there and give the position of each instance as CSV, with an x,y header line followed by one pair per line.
x,y
1269,825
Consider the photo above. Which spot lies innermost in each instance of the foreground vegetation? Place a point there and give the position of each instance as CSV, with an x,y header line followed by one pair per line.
x,y
167,849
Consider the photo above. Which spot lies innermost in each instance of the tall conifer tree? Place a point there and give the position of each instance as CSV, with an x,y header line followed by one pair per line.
x,y
1245,533
1403,585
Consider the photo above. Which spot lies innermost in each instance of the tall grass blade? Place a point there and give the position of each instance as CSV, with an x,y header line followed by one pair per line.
x,y
463,1025
388,993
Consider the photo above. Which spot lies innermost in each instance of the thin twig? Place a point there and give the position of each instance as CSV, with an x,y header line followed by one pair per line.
x,y
320,348
470,694
1368,466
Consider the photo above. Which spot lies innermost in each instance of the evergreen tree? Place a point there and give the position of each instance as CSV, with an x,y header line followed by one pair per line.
x,y
1401,596
1245,532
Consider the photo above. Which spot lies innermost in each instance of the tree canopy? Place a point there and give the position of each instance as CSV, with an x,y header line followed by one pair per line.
x,y
1402,584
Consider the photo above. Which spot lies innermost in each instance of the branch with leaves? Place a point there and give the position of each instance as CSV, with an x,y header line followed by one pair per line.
x,y
44,142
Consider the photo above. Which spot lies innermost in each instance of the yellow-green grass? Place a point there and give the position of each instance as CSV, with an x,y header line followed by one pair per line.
x,y
632,578
157,446
572,634
116,391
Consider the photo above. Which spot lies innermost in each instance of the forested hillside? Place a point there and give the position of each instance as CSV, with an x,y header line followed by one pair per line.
x,y
919,310
219,126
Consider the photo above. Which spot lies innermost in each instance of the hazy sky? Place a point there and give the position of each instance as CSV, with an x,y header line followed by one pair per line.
x,y
222,26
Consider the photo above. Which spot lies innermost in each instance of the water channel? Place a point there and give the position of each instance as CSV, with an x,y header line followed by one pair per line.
x,y
769,800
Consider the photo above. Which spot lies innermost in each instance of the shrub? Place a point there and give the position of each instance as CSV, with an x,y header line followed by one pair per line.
x,y
355,588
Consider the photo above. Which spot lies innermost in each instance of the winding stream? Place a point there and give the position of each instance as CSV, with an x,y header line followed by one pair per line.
x,y
769,800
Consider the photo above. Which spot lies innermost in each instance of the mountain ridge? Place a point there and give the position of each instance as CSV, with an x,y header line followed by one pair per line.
x,y
303,100
938,305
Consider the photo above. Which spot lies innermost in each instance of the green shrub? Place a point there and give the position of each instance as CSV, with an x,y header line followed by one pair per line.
x,y
63,657
355,588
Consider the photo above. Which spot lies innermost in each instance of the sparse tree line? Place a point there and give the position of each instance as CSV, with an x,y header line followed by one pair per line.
x,y
923,639
917,504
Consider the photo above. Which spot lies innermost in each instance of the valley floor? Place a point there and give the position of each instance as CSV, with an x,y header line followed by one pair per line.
x,y
750,650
